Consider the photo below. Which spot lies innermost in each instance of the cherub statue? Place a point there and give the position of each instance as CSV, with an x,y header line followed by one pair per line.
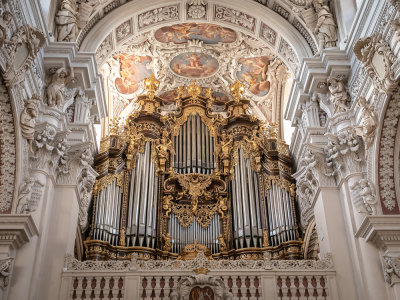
x,y
338,95
326,26
254,148
27,120
56,88
368,123
66,21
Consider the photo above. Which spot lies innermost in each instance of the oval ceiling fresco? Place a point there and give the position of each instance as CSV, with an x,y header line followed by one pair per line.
x,y
132,70
254,73
194,65
208,33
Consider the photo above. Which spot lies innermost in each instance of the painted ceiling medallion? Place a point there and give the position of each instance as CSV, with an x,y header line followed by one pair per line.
x,y
133,69
194,65
208,33
254,73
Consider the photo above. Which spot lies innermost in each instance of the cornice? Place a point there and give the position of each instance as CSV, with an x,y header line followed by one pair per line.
x,y
16,230
382,231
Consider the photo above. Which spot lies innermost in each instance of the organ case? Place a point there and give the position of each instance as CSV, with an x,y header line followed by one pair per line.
x,y
173,182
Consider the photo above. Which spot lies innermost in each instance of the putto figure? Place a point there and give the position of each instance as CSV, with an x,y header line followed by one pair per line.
x,y
66,21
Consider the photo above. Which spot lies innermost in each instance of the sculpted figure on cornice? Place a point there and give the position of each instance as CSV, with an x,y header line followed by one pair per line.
x,y
85,185
66,21
325,28
377,58
28,117
57,86
338,95
368,123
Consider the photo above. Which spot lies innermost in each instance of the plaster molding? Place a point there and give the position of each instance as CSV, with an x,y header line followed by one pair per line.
x,y
382,231
16,230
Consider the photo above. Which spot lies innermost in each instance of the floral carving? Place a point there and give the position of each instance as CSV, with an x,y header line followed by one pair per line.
x,y
161,14
196,9
268,34
386,156
235,17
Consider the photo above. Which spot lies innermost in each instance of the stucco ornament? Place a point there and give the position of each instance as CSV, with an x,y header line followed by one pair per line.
x,y
368,123
66,21
85,185
377,59
57,86
391,269
28,117
205,284
29,196
363,197
338,95
5,21
196,9
5,271
22,50
325,28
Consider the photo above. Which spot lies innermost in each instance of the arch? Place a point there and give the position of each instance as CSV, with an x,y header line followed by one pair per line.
x,y
388,155
7,150
247,16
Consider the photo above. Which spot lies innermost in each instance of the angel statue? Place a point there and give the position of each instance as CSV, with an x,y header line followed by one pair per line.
x,y
368,123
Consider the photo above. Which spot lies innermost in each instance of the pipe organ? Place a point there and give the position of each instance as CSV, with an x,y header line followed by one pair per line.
x,y
175,182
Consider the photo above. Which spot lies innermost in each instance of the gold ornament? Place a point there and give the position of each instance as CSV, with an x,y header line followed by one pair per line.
x,y
151,84
237,90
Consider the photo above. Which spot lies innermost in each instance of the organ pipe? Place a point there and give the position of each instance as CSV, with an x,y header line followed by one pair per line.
x,y
193,179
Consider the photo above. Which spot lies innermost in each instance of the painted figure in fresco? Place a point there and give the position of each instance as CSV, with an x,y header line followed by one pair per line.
x,y
208,33
254,72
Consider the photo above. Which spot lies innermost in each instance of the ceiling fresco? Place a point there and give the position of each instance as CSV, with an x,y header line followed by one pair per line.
x,y
254,73
181,53
219,98
194,65
207,33
133,70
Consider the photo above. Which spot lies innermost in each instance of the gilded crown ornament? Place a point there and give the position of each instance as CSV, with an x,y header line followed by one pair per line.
x,y
237,90
194,90
151,84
